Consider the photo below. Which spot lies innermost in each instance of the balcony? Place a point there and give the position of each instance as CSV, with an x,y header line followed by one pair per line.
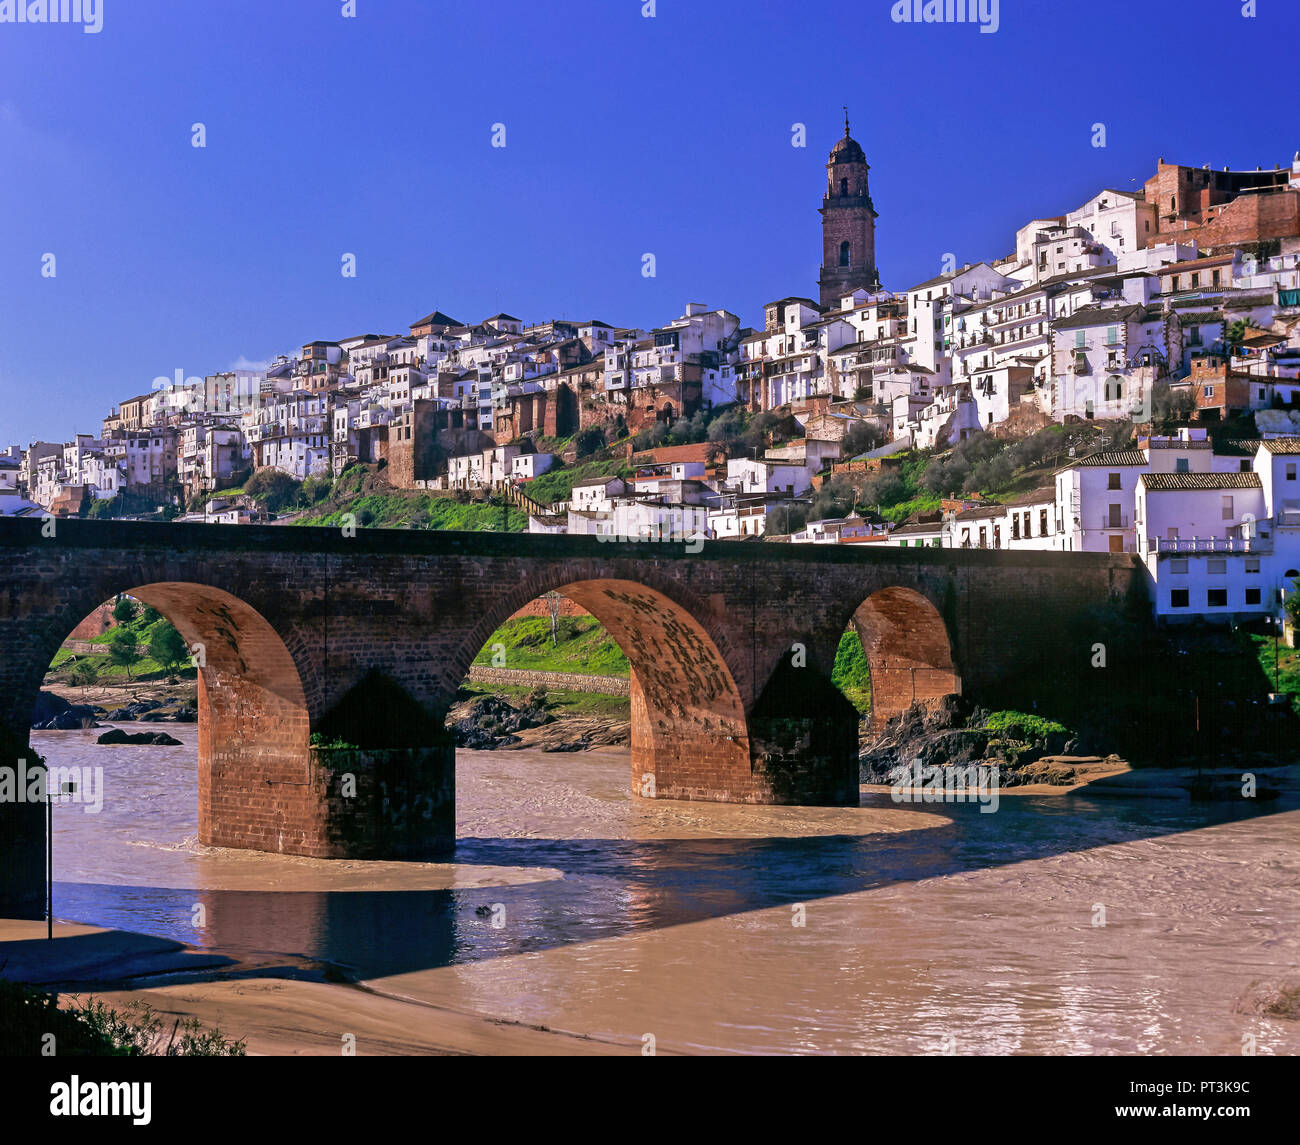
x,y
1196,546
1113,521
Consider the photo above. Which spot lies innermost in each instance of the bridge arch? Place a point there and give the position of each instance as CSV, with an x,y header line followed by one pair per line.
x,y
908,647
253,720
689,737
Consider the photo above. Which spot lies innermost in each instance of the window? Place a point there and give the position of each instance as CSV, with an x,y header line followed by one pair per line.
x,y
1179,598
1079,339
1113,481
1252,565
1227,508
1216,565
1042,522
1182,465
1252,596
1207,392
1245,466
1290,470
1216,598
1178,566
844,187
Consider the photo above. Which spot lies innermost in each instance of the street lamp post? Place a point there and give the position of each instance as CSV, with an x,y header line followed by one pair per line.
x,y
49,858
69,788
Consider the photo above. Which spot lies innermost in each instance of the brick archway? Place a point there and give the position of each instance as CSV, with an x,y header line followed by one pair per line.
x,y
253,722
688,717
908,649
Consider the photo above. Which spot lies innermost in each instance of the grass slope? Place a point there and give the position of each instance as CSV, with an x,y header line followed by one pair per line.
x,y
583,647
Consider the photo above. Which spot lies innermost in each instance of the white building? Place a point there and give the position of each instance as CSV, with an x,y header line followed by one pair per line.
x,y
1199,557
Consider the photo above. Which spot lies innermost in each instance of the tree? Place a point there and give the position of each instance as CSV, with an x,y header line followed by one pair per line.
x,y
1237,331
316,489
124,610
861,437
167,646
553,603
783,519
1171,408
655,434
122,650
149,616
274,488
83,674
884,490
834,499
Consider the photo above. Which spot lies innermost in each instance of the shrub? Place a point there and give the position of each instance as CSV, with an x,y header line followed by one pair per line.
x,y
90,1028
1023,726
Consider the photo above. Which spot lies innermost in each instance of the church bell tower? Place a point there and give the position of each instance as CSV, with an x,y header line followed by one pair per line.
x,y
848,224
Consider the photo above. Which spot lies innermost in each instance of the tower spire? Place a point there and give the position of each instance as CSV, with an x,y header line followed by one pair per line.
x,y
846,121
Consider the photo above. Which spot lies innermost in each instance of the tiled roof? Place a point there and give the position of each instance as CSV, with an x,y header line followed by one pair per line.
x,y
1283,445
980,513
1113,458
1175,482
1096,316
1035,497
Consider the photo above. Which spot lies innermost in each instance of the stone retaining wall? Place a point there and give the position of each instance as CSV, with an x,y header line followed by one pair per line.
x,y
556,681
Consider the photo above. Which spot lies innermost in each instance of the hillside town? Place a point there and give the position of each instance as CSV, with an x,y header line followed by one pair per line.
x,y
1171,314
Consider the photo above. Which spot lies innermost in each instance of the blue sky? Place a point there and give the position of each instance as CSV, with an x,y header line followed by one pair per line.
x,y
624,135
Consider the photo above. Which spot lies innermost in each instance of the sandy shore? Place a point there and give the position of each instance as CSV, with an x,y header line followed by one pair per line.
x,y
273,1015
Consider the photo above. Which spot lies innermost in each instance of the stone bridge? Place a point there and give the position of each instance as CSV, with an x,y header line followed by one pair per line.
x,y
365,639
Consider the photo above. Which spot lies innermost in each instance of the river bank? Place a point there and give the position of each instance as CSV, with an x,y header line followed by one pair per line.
x,y
576,917
290,1011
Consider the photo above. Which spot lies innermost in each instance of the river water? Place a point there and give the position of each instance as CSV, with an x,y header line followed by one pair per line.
x,y
721,928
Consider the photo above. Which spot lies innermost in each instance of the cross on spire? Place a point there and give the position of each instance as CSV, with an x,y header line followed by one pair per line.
x,y
846,121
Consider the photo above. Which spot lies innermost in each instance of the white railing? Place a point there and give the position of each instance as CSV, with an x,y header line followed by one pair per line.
x,y
1190,546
